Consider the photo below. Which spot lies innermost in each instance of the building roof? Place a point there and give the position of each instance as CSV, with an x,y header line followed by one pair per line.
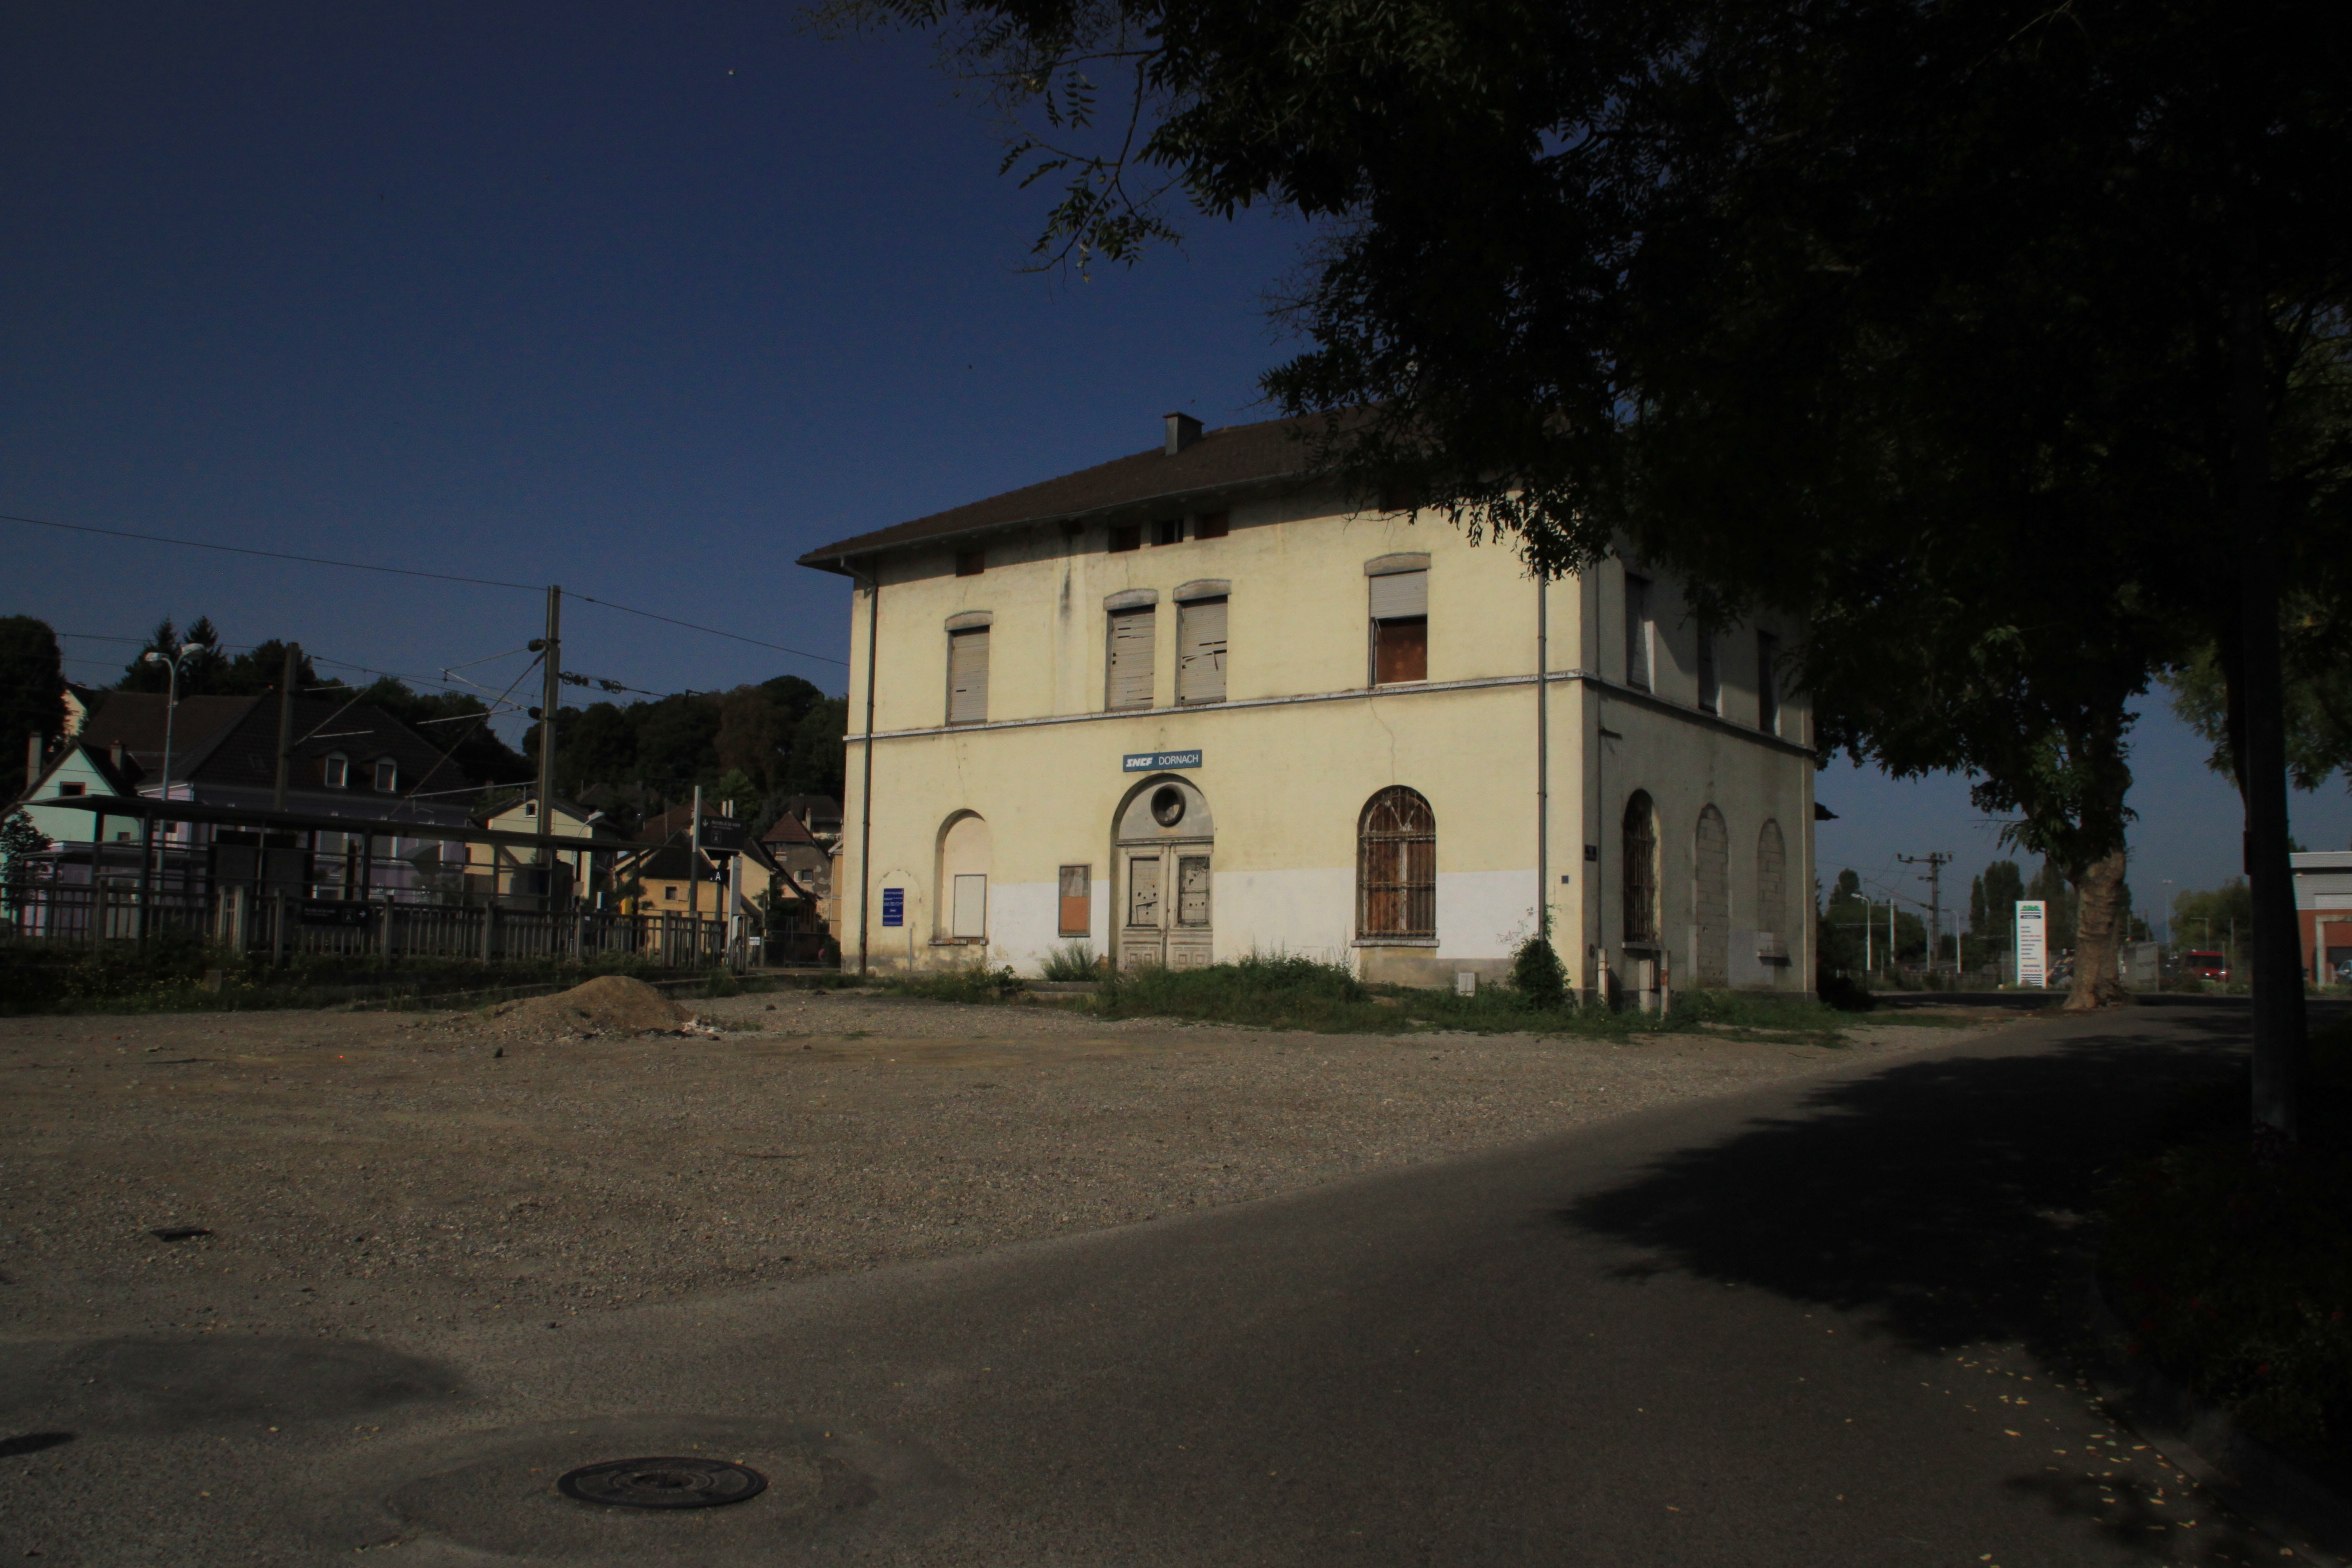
x,y
1232,458
234,740
787,830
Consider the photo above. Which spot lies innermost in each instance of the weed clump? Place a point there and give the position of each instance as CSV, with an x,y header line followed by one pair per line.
x,y
1072,961
1536,974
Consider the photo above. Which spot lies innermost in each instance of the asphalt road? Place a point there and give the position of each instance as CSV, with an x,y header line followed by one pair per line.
x,y
1818,1324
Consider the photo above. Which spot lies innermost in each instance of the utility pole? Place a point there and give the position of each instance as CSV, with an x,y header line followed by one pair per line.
x,y
694,879
551,698
1935,861
286,724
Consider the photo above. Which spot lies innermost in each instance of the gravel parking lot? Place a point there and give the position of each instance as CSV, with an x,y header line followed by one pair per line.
x,y
357,1173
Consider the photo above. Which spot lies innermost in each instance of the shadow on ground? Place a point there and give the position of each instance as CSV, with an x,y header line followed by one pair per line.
x,y
1950,1198
1952,1201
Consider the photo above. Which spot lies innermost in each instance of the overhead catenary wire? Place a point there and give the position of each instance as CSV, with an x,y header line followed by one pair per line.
x,y
410,571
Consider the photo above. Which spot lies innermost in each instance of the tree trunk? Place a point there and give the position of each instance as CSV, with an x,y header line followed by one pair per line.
x,y
2277,969
2098,936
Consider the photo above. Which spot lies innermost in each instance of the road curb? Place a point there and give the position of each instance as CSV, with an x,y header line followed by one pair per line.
x,y
2201,1438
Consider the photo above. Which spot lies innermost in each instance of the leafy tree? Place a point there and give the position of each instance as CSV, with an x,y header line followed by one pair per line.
x,y
200,669
1981,321
2318,703
19,842
2216,920
818,762
32,688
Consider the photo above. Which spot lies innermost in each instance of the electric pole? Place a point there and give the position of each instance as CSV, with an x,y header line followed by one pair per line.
x,y
286,725
551,689
1935,861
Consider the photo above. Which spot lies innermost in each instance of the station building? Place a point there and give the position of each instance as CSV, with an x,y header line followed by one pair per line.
x,y
1188,705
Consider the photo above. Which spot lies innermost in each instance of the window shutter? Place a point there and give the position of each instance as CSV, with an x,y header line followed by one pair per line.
x,y
1200,651
1133,633
967,676
1400,594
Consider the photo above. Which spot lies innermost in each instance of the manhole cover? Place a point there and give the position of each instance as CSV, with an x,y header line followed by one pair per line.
x,y
663,1483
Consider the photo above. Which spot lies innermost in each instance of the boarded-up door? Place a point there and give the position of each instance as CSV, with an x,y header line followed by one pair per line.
x,y
1711,899
1188,937
1143,941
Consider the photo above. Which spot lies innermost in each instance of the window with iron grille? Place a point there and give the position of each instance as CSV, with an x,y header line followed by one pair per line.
x,y
1641,872
1396,866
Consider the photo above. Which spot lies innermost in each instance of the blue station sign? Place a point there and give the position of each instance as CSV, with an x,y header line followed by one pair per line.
x,y
894,906
1156,761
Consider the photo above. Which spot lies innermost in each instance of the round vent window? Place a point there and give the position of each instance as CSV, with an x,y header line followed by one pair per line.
x,y
1168,806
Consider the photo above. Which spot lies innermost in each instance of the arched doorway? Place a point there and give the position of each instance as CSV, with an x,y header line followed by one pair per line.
x,y
1162,845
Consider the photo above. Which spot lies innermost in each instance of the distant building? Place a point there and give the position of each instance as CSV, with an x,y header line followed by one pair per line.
x,y
513,874
1186,705
347,759
2323,908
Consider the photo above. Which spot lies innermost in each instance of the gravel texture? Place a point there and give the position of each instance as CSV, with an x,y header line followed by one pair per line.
x,y
359,1173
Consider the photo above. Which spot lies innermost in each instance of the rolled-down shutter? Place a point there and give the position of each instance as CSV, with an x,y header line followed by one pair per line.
x,y
1132,634
1200,657
1400,594
967,676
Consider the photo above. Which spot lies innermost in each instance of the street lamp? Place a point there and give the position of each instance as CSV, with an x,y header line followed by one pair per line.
x,y
171,703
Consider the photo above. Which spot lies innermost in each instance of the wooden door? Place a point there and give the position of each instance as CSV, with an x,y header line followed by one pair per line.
x,y
1143,934
1188,934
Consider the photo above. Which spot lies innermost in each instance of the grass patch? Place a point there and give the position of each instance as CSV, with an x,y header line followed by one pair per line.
x,y
2234,1273
976,984
177,972
1281,992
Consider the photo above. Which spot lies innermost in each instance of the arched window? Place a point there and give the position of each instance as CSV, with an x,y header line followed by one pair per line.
x,y
1641,871
1396,866
1771,881
1711,897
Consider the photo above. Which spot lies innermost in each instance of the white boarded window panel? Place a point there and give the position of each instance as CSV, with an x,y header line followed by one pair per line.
x,y
1133,633
1200,656
1399,594
971,905
967,676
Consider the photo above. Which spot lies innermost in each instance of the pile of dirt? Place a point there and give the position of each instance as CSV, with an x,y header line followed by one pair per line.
x,y
609,1004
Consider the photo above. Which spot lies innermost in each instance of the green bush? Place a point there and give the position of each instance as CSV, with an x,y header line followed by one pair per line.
x,y
1072,961
721,983
1536,973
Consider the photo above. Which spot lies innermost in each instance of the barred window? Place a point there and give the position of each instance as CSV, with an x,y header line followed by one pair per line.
x,y
1396,866
1641,872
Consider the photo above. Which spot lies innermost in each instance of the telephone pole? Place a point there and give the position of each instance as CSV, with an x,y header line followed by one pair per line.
x,y
1935,861
551,697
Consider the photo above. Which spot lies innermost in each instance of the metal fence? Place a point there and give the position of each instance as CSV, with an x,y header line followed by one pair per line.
x,y
284,926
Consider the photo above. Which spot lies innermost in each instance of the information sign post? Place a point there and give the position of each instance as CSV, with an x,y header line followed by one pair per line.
x,y
2033,966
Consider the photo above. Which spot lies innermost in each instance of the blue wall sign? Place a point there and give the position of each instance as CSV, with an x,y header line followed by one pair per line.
x,y
1154,761
894,906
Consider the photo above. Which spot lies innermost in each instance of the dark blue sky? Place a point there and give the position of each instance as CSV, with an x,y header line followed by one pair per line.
x,y
643,301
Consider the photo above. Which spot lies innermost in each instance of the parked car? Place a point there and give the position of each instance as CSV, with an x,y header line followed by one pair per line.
x,y
2205,966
